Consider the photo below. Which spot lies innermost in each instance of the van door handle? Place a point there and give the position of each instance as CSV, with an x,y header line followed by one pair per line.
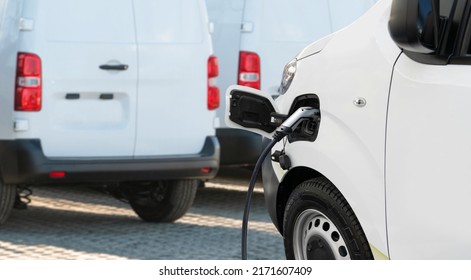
x,y
119,67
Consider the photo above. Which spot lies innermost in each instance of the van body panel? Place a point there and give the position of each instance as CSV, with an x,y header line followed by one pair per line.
x,y
172,113
72,45
428,161
10,14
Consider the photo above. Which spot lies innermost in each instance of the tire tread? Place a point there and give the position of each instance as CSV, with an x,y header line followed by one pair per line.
x,y
179,198
323,190
7,199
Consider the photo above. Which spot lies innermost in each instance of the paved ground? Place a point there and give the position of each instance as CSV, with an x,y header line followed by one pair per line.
x,y
82,223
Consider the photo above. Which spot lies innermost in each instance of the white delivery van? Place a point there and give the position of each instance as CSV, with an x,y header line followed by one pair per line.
x,y
253,39
110,92
383,172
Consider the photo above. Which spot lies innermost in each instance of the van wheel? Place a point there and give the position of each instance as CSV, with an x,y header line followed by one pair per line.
x,y
7,199
319,224
163,201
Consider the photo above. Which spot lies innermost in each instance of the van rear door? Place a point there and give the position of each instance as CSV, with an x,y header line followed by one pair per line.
x,y
174,48
89,76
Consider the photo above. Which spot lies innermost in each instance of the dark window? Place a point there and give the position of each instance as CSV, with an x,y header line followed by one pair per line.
x,y
463,49
439,25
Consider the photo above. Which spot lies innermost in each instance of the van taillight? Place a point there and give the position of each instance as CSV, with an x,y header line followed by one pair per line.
x,y
28,83
249,70
213,90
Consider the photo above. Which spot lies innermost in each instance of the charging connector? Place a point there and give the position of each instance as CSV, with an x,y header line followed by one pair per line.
x,y
287,127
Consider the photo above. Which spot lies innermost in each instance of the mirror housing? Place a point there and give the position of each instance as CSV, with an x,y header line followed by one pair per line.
x,y
414,25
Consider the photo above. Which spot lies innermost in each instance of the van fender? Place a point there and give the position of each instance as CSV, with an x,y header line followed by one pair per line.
x,y
343,160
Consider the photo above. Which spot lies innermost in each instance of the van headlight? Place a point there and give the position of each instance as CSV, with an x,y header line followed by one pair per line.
x,y
288,74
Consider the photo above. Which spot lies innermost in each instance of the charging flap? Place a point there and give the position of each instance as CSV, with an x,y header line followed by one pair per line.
x,y
251,110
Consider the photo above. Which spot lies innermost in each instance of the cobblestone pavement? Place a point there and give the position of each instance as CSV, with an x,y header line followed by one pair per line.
x,y
82,223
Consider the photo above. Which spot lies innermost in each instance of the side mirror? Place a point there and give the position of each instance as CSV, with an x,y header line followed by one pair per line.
x,y
251,110
414,25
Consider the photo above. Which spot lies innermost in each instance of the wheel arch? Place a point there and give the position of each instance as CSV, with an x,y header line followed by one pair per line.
x,y
290,181
295,177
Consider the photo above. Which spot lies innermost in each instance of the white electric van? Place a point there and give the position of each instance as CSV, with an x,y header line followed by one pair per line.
x,y
112,92
253,39
384,171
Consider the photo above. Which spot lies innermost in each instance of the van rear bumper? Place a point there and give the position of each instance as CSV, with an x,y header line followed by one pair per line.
x,y
23,162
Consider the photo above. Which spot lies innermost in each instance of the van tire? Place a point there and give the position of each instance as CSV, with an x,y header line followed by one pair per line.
x,y
320,224
163,201
7,199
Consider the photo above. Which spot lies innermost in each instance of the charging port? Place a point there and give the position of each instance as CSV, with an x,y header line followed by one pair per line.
x,y
308,129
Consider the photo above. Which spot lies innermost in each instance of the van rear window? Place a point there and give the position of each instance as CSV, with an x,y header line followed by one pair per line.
x,y
92,21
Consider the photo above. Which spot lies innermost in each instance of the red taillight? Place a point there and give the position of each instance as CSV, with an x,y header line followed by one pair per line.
x,y
206,170
28,83
249,70
56,174
213,90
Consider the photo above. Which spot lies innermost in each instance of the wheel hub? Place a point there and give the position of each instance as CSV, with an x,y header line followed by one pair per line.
x,y
318,249
315,237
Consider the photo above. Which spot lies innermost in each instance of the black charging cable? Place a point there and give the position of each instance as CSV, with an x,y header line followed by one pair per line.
x,y
285,129
248,199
